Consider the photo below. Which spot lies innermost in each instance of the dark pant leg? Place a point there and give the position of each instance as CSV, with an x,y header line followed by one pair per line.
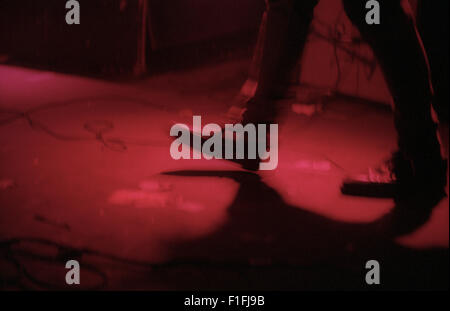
x,y
288,24
433,24
398,48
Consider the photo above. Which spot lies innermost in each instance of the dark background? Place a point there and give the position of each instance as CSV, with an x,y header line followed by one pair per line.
x,y
135,37
107,40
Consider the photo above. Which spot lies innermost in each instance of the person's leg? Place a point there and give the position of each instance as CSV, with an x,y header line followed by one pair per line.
x,y
286,30
287,27
400,53
433,25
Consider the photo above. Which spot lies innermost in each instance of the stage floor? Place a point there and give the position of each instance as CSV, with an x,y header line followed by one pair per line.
x,y
86,174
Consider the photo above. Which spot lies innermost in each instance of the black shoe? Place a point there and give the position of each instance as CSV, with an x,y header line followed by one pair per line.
x,y
378,182
246,163
402,180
